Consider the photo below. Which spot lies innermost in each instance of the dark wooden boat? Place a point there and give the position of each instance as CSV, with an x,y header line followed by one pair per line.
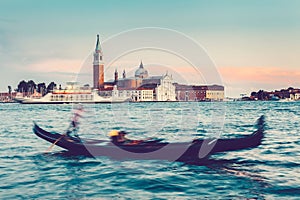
x,y
184,151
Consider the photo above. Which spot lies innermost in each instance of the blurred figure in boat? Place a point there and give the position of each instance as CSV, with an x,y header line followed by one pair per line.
x,y
74,126
118,137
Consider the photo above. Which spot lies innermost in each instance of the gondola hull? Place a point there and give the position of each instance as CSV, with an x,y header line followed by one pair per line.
x,y
188,151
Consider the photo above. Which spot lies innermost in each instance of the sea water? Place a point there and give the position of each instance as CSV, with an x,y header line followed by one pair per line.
x,y
270,171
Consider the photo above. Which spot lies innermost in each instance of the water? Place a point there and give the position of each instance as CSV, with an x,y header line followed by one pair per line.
x,y
270,171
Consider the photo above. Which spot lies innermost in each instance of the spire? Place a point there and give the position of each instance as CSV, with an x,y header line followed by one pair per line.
x,y
141,65
98,45
116,75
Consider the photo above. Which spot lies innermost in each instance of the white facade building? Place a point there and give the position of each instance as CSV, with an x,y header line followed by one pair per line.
x,y
155,88
134,95
297,96
294,97
143,95
165,91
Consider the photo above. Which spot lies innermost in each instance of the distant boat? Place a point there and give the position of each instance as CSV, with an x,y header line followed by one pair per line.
x,y
286,100
274,98
189,151
72,94
19,97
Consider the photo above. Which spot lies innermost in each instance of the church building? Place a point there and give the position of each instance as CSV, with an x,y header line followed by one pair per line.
x,y
142,87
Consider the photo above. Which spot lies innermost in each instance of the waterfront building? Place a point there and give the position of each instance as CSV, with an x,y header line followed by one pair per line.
x,y
138,95
199,93
190,92
142,87
163,87
7,97
139,88
294,96
215,93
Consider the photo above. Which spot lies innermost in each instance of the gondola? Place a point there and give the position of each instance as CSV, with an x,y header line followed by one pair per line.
x,y
154,149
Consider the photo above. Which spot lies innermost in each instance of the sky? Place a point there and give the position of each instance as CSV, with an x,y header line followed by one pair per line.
x,y
253,44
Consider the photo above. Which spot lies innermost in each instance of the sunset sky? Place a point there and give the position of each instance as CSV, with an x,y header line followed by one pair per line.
x,y
254,44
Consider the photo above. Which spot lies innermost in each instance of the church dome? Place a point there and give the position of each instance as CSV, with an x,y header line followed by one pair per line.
x,y
141,72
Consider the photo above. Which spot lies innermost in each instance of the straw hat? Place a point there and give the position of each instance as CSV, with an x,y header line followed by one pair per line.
x,y
113,133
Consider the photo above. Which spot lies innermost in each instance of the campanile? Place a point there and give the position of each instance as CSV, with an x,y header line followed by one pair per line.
x,y
98,64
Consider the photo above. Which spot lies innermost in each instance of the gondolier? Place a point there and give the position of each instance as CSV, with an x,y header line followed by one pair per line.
x,y
74,125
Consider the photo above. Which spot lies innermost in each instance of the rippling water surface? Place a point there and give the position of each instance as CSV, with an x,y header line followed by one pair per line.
x,y
269,171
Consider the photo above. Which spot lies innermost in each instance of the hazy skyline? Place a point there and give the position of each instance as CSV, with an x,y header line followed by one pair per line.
x,y
255,44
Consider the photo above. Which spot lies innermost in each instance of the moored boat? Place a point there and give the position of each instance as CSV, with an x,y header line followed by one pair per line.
x,y
72,94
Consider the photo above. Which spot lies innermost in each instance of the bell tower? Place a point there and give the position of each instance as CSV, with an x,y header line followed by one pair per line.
x,y
116,76
98,64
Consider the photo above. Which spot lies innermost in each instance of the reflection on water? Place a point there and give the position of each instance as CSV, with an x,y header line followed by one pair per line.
x,y
267,172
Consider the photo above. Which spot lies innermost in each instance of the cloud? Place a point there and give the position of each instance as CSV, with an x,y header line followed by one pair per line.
x,y
243,80
58,70
267,75
56,65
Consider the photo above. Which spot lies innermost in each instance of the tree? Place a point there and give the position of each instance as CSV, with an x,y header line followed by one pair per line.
x,y
50,87
41,88
260,95
9,91
31,86
22,86
253,94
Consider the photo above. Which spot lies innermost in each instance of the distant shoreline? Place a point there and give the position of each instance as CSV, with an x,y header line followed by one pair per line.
x,y
147,102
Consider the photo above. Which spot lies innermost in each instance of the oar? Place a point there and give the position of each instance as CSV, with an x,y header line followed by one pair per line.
x,y
52,145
